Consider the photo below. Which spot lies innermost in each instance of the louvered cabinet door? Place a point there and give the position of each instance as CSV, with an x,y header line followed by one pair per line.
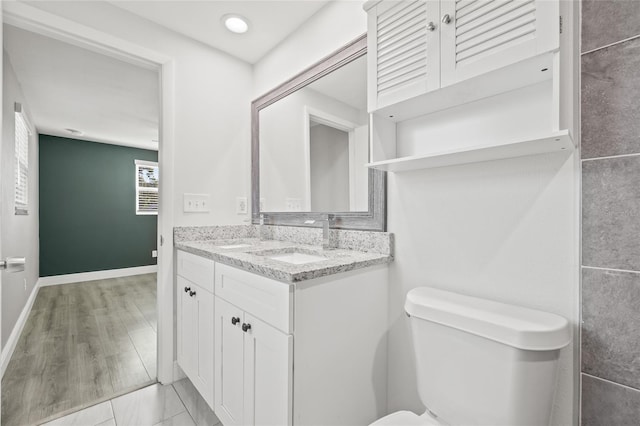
x,y
403,51
484,35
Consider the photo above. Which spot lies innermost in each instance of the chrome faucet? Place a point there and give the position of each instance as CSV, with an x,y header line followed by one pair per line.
x,y
327,224
262,228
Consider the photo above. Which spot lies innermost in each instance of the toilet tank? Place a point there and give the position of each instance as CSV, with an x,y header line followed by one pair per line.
x,y
481,362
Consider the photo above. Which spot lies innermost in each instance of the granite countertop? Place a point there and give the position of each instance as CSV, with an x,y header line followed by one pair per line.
x,y
251,255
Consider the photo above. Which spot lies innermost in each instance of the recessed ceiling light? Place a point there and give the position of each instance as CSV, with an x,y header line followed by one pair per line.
x,y
235,23
75,132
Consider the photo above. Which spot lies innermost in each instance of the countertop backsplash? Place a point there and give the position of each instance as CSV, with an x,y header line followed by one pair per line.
x,y
364,241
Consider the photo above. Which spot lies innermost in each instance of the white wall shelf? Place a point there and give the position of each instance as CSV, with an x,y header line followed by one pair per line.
x,y
554,142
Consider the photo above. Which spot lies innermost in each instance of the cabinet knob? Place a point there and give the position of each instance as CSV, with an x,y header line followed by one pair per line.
x,y
186,289
446,19
192,293
431,26
235,320
246,327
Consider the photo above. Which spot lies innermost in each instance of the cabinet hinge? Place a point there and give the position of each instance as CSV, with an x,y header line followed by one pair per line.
x,y
560,24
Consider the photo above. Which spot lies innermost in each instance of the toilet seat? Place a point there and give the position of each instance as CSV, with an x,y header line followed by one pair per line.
x,y
406,418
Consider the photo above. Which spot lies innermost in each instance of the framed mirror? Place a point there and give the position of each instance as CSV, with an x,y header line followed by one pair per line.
x,y
310,146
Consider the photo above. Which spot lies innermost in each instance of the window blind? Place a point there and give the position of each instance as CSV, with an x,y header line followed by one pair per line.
x,y
22,134
147,180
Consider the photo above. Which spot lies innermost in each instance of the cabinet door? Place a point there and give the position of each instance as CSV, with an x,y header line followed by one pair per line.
x,y
484,35
268,374
229,353
403,51
204,313
187,328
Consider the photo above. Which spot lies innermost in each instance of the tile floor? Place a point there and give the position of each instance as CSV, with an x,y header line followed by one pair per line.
x,y
82,343
156,405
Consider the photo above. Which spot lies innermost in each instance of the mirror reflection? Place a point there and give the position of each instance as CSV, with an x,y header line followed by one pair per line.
x,y
314,145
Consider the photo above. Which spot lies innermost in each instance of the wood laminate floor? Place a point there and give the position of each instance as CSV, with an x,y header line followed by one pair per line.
x,y
82,343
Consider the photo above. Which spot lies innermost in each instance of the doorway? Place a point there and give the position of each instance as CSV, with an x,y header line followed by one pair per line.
x,y
334,147
108,289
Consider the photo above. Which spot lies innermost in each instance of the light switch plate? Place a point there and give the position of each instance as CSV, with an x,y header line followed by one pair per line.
x,y
196,203
241,205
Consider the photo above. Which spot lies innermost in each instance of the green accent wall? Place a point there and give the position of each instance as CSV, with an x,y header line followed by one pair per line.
x,y
88,220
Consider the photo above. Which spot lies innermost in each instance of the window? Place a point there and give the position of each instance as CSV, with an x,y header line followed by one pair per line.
x,y
22,134
147,177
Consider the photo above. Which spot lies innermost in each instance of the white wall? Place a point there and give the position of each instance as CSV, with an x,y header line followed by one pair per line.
x,y
283,158
330,28
212,109
19,233
504,230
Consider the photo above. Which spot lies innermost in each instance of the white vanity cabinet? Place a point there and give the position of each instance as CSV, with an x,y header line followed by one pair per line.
x,y
195,316
266,352
417,46
254,363
253,358
308,353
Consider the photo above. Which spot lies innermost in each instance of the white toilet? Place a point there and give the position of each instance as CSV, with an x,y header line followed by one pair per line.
x,y
481,362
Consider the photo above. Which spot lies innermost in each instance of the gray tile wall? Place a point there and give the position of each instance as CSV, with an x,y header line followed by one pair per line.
x,y
610,212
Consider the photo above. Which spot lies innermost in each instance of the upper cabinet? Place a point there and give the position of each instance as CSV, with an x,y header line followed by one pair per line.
x,y
428,56
422,46
404,61
479,36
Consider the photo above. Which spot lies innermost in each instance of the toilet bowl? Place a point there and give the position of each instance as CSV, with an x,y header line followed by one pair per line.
x,y
406,418
480,362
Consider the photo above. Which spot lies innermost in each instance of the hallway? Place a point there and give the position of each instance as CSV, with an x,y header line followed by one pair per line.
x,y
83,342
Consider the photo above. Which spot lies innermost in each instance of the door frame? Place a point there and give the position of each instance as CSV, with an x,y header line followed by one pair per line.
x,y
338,123
1,124
41,22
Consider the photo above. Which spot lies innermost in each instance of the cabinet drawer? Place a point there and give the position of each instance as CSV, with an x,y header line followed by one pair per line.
x,y
196,269
266,299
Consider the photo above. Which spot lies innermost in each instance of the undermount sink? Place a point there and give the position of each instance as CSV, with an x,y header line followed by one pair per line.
x,y
234,246
297,258
292,255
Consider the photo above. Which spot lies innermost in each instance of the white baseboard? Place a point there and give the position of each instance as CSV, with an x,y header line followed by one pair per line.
x,y
10,346
96,275
178,374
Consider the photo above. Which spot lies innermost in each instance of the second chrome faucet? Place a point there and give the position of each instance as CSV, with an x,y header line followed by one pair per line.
x,y
327,223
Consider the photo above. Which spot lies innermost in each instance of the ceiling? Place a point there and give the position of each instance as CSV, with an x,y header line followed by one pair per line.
x,y
117,102
70,87
270,21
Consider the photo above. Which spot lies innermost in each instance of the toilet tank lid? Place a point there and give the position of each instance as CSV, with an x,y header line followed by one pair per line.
x,y
512,325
